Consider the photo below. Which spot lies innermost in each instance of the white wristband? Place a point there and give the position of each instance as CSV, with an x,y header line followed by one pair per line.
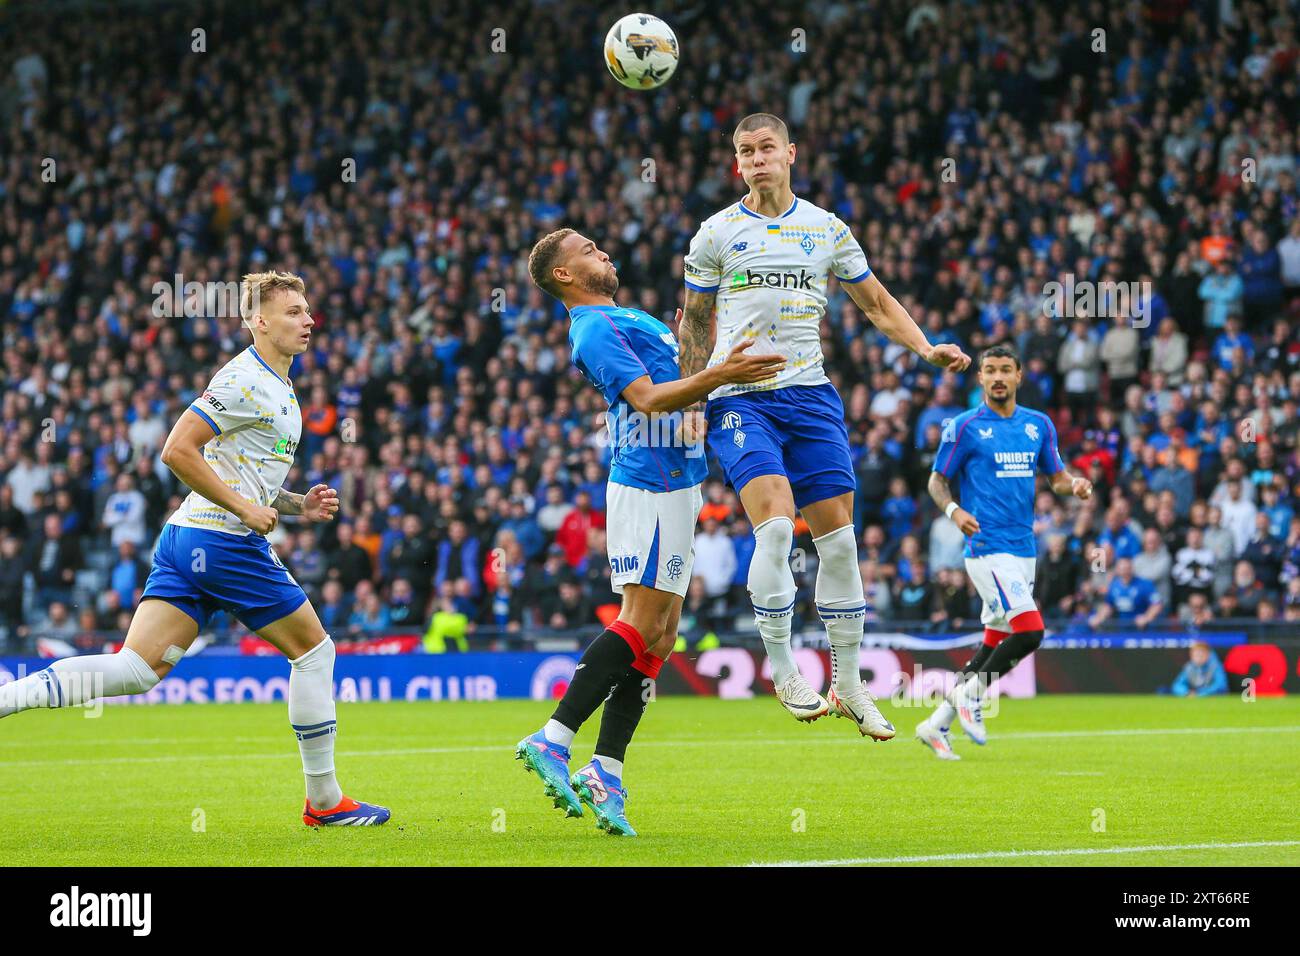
x,y
952,506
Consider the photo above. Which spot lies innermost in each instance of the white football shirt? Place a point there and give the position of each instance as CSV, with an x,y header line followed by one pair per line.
x,y
770,280
258,423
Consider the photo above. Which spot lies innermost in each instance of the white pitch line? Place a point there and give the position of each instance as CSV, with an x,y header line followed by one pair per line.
x,y
283,755
290,753
1138,732
118,741
1023,854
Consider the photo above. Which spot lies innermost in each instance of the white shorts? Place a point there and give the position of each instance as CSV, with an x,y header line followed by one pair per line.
x,y
1005,584
651,536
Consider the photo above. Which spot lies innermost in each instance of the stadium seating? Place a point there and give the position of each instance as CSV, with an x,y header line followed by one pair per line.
x,y
438,383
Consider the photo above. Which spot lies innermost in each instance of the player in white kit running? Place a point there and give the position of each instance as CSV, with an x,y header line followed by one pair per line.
x,y
234,447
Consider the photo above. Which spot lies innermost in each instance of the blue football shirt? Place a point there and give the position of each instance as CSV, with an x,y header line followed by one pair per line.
x,y
1125,542
1132,599
613,347
996,459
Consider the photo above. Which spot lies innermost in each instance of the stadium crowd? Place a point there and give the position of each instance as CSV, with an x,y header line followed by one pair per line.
x,y
403,157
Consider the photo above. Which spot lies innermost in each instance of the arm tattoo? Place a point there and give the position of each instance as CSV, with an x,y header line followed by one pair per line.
x,y
939,490
696,332
287,503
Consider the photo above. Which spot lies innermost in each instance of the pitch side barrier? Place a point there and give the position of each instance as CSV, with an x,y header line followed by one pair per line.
x,y
907,669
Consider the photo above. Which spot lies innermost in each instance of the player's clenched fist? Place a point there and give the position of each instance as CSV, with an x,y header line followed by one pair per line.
x,y
741,368
321,503
966,521
693,428
260,518
948,356
1081,488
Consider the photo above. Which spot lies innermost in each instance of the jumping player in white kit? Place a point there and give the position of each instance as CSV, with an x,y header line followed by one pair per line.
x,y
783,444
234,447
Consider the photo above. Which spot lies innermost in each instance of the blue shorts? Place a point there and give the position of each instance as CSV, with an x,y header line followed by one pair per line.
x,y
201,571
797,431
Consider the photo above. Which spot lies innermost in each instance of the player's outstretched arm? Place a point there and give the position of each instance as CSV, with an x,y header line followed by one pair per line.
x,y
740,368
183,454
890,317
320,503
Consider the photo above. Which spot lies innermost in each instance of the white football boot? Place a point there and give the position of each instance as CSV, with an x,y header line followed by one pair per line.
x,y
862,710
797,696
970,711
936,741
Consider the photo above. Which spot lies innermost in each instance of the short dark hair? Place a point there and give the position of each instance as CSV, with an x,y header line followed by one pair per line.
x,y
760,121
1000,351
544,258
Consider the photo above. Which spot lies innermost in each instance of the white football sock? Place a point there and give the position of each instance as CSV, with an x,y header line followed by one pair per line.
x,y
611,766
558,734
76,680
842,605
942,717
976,686
311,713
772,590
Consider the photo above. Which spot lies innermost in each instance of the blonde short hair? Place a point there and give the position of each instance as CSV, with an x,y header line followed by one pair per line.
x,y
258,285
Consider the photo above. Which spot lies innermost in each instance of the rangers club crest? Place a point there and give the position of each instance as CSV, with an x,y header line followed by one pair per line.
x,y
1032,431
675,566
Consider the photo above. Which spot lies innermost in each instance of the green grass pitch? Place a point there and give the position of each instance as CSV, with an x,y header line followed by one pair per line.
x,y
711,782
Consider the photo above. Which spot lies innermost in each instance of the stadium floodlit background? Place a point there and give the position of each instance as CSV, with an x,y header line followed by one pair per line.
x,y
404,156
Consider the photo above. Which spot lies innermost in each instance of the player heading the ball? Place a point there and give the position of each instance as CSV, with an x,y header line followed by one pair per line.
x,y
761,265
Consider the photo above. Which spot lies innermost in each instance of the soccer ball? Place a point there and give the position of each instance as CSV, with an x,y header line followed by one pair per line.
x,y
641,51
